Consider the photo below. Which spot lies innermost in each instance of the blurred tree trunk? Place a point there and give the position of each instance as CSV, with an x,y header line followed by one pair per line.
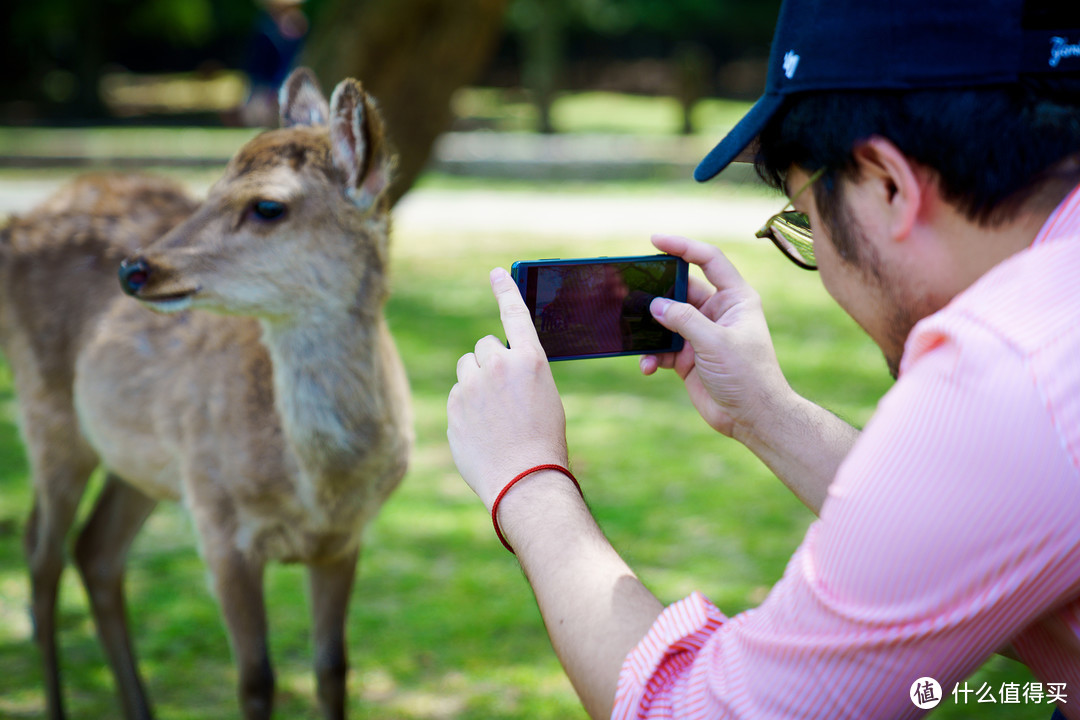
x,y
694,66
541,29
411,55
90,16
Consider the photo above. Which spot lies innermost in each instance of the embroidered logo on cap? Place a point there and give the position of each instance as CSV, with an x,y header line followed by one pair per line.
x,y
1059,49
791,61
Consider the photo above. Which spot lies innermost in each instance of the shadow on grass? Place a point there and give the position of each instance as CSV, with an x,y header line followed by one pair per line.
x,y
440,626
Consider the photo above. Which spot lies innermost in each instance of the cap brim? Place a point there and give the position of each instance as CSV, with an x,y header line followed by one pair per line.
x,y
737,145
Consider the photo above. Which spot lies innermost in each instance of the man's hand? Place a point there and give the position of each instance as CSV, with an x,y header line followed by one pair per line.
x,y
728,363
505,416
731,372
504,413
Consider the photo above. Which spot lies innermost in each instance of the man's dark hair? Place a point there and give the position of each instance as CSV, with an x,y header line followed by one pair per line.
x,y
990,146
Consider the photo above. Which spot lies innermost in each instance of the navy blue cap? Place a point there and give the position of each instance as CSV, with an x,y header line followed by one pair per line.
x,y
824,45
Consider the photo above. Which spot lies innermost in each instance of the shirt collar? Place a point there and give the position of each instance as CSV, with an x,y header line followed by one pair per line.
x,y
1065,215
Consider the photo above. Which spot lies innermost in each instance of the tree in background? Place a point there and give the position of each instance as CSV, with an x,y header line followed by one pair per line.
x,y
693,38
540,27
56,51
411,55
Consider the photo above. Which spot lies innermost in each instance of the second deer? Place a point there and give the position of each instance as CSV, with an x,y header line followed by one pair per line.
x,y
280,418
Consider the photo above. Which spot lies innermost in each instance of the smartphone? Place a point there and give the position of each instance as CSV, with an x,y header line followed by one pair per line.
x,y
599,307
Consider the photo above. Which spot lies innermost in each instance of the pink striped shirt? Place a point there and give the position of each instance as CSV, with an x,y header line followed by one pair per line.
x,y
951,529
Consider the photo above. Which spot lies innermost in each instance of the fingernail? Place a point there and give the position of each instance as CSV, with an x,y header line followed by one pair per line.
x,y
659,306
498,274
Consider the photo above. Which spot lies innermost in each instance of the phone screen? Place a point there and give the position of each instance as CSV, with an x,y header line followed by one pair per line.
x,y
599,307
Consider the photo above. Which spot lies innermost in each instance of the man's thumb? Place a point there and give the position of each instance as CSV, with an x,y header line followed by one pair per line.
x,y
683,318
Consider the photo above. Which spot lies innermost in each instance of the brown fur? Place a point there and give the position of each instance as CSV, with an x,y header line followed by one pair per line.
x,y
280,419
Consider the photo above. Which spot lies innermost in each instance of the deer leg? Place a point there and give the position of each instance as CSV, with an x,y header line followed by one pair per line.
x,y
238,584
330,587
60,474
100,553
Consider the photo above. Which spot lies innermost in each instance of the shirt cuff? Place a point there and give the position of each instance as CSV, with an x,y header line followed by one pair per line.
x,y
665,654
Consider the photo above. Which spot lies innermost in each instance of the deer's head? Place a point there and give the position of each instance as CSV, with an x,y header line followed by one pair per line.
x,y
298,224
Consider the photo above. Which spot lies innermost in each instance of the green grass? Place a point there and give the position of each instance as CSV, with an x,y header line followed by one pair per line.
x,y
442,623
123,142
584,112
596,112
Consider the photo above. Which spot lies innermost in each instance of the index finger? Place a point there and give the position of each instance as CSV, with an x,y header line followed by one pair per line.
x,y
516,318
717,268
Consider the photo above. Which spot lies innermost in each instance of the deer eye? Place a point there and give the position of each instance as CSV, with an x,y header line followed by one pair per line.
x,y
268,210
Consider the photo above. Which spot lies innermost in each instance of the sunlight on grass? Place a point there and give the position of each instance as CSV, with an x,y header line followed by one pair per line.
x,y
496,109
123,142
607,112
594,112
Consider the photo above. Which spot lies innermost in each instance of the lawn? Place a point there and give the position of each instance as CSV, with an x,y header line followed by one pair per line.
x,y
501,110
442,623
603,112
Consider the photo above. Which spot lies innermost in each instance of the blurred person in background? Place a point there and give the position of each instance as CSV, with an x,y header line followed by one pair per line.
x,y
274,47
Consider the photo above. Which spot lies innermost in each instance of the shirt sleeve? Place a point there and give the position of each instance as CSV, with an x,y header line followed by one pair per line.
x,y
950,528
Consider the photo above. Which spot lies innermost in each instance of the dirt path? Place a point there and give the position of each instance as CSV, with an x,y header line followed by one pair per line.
x,y
734,213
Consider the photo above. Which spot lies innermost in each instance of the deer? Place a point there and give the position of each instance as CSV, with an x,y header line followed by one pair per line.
x,y
242,366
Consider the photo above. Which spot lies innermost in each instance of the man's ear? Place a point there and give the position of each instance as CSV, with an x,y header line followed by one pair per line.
x,y
894,182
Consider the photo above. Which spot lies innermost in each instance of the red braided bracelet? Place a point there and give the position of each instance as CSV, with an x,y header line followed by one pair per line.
x,y
512,483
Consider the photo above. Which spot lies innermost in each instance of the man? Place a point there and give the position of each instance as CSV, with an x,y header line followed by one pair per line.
x,y
932,152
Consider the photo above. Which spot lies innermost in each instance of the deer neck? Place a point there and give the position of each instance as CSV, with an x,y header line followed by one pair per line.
x,y
328,388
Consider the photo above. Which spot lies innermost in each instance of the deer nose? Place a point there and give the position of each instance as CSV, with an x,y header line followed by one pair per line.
x,y
134,275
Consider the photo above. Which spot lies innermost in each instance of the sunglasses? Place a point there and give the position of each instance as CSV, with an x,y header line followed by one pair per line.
x,y
790,230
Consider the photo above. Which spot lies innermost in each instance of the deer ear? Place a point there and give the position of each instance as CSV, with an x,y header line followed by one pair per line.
x,y
301,100
359,144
